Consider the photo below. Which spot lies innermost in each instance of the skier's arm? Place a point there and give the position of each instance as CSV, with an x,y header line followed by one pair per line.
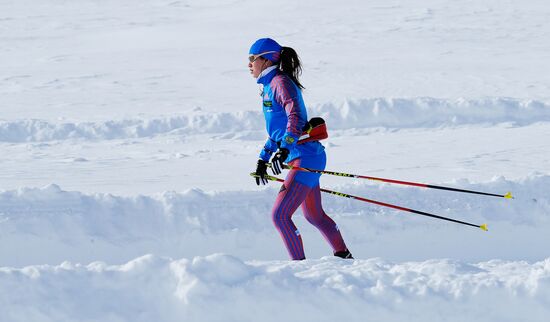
x,y
286,94
270,146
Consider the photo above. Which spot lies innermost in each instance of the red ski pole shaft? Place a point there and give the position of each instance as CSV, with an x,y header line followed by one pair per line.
x,y
408,183
345,195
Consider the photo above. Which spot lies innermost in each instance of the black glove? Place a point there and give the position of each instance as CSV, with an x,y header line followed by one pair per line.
x,y
261,172
278,159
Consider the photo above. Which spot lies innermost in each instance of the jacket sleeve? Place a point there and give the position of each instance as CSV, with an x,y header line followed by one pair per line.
x,y
286,94
270,146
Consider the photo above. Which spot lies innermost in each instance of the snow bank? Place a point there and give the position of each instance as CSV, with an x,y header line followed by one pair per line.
x,y
52,210
366,113
430,112
49,225
212,212
195,123
224,288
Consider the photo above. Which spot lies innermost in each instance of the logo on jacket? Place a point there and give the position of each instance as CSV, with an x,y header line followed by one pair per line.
x,y
289,140
268,103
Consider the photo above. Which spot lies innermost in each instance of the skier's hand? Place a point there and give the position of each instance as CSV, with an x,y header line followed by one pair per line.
x,y
278,159
261,171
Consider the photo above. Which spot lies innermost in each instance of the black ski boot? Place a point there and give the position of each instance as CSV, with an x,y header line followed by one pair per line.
x,y
343,254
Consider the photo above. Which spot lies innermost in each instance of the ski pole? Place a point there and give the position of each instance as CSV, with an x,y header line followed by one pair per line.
x,y
508,195
341,194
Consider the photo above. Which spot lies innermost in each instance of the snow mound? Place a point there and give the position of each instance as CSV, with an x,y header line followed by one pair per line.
x,y
222,287
50,209
55,225
426,112
375,112
195,123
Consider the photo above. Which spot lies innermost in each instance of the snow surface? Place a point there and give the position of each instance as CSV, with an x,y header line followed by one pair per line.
x,y
224,288
128,130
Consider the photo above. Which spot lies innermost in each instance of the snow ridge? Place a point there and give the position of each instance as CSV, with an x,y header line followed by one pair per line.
x,y
55,225
364,113
213,212
152,287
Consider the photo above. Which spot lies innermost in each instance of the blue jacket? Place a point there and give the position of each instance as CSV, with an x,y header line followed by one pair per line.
x,y
285,116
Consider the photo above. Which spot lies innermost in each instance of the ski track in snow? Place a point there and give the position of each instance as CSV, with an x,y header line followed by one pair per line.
x,y
50,225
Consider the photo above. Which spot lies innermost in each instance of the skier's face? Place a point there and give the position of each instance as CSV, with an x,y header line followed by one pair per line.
x,y
256,64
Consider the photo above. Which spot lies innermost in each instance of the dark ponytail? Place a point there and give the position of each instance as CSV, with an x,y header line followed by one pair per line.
x,y
290,65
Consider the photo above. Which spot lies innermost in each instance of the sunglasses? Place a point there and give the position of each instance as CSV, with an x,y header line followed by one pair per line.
x,y
252,58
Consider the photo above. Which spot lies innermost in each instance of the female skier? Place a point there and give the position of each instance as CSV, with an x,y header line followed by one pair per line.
x,y
277,69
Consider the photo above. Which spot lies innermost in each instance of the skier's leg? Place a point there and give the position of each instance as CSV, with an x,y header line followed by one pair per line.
x,y
314,213
291,195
